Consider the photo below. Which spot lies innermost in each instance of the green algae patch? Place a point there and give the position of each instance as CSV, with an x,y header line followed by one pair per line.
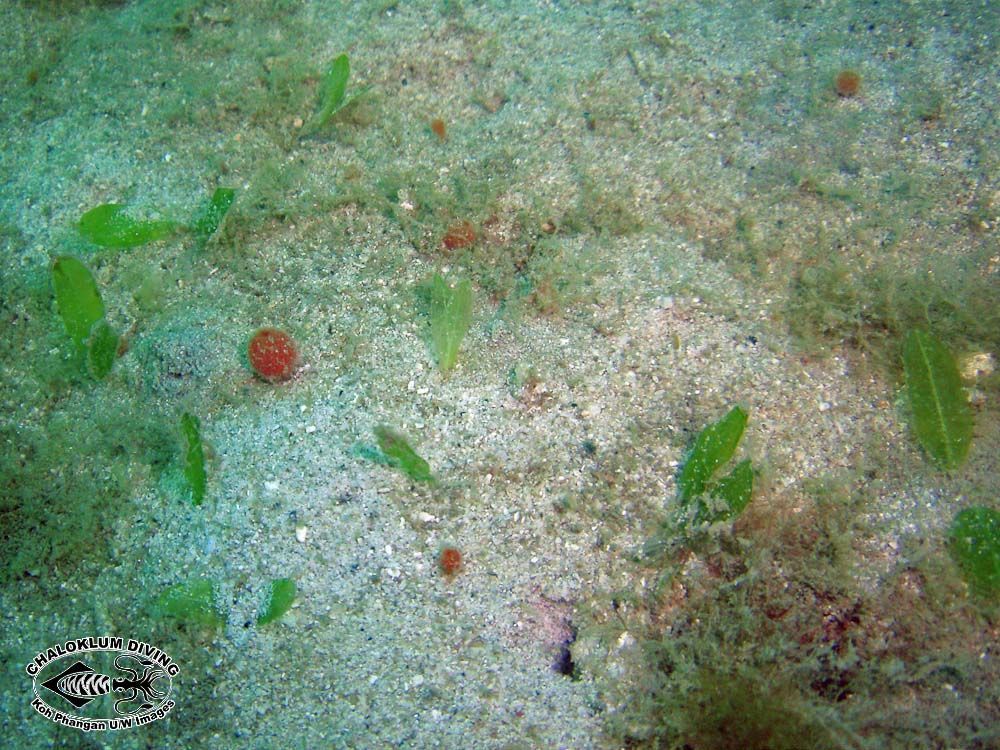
x,y
194,458
730,495
942,416
77,298
334,90
82,311
207,221
402,456
194,602
714,446
450,309
102,349
974,545
280,597
701,497
333,94
109,225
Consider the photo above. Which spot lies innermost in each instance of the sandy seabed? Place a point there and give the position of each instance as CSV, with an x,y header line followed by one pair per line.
x,y
670,209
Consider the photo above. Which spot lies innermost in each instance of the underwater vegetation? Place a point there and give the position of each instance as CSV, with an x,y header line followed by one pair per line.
x,y
399,454
64,488
450,313
82,311
195,602
198,602
460,235
68,479
333,94
727,711
207,222
110,225
720,701
715,446
102,349
763,637
194,458
942,416
974,544
832,302
278,600
701,498
77,298
334,89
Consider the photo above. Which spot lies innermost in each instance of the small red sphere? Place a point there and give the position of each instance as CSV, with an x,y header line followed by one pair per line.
x,y
847,83
439,128
450,561
273,354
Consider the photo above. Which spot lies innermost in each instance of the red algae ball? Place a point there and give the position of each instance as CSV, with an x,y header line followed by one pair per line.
x,y
847,83
439,128
450,561
273,354
459,235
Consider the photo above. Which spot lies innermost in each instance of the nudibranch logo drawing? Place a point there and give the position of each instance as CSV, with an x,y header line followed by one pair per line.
x,y
102,683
